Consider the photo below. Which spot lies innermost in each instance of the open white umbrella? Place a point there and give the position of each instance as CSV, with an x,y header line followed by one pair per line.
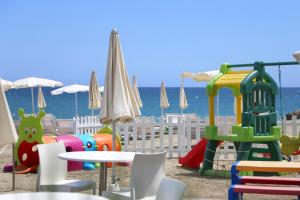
x,y
164,102
94,93
8,133
41,100
136,92
118,101
6,84
72,89
182,99
32,82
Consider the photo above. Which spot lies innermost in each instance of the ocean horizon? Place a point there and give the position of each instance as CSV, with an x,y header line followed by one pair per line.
x,y
63,106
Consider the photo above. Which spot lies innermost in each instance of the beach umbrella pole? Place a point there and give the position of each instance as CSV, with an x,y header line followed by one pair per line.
x,y
13,167
32,100
76,109
113,176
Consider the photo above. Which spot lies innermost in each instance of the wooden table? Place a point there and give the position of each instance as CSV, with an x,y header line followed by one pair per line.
x,y
99,156
267,166
49,196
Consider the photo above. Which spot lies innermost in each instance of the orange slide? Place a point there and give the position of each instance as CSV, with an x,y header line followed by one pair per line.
x,y
195,156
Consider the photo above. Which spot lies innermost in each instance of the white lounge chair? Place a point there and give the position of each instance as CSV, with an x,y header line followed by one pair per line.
x,y
53,171
146,173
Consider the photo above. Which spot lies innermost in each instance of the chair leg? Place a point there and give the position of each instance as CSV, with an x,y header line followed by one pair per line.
x,y
94,191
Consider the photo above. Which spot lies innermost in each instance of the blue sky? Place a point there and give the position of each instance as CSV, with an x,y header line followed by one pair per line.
x,y
65,40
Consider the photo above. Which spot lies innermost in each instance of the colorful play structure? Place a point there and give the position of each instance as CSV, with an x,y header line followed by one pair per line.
x,y
256,117
31,133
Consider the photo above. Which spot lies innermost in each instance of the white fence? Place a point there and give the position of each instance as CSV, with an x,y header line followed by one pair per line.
x,y
175,134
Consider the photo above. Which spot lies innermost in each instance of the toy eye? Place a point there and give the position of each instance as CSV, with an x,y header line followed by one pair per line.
x,y
26,130
33,131
89,145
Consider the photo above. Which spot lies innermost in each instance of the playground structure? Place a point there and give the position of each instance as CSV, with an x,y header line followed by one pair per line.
x,y
256,117
31,133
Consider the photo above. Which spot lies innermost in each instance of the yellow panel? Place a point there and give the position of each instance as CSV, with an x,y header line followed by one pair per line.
x,y
232,79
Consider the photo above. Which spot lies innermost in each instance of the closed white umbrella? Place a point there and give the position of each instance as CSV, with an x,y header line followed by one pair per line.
x,y
164,102
182,99
136,92
32,82
72,89
41,100
8,133
6,84
94,93
118,101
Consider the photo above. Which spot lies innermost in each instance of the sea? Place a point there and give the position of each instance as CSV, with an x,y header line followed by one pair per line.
x,y
63,106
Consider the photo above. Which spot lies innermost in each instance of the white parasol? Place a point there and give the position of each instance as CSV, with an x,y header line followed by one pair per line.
x,y
182,99
118,101
94,93
72,89
136,92
164,102
32,82
41,100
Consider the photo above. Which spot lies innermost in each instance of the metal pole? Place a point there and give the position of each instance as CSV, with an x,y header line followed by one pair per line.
x,y
76,109
13,167
264,64
32,100
113,176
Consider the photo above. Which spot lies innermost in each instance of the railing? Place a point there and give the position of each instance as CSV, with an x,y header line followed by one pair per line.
x,y
175,134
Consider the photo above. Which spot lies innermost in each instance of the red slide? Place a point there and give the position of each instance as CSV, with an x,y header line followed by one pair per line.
x,y
195,156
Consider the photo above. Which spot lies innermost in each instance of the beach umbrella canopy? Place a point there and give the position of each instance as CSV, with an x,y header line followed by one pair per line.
x,y
297,56
182,99
118,101
8,133
200,76
71,89
164,102
41,100
136,92
94,93
32,82
6,84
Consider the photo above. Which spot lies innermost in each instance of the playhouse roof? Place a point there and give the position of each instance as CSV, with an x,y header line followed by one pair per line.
x,y
228,79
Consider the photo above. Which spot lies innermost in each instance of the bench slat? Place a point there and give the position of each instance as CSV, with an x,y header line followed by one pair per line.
x,y
270,180
266,190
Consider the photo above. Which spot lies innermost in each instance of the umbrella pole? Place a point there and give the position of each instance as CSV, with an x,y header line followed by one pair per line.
x,y
32,100
181,110
76,109
13,167
162,112
113,176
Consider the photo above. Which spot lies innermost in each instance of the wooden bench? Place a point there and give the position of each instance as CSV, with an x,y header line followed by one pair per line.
x,y
270,180
277,185
236,191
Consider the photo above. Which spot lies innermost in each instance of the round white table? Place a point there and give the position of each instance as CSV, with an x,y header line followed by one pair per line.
x,y
49,196
99,156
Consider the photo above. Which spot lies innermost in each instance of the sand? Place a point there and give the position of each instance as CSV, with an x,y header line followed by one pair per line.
x,y
197,187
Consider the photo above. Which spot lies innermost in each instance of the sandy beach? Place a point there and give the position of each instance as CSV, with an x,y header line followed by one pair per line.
x,y
198,187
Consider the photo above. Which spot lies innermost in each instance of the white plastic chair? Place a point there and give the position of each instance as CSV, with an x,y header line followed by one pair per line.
x,y
170,189
146,173
53,171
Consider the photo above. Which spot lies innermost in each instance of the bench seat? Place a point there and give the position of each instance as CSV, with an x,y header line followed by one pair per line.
x,y
258,189
270,180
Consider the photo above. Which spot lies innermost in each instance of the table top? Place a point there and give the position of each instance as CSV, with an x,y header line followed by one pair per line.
x,y
49,196
98,156
267,166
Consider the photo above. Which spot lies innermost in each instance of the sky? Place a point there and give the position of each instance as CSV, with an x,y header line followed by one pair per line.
x,y
66,40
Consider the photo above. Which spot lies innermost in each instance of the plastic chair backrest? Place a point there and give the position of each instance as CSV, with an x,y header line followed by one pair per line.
x,y
170,189
146,173
52,168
